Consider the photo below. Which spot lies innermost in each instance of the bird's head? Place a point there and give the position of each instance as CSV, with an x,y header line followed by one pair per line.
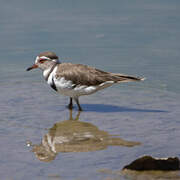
x,y
45,60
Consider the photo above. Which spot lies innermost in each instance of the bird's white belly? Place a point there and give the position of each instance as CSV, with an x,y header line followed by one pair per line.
x,y
66,87
77,91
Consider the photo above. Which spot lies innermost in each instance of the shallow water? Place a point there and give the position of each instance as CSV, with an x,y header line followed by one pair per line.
x,y
138,38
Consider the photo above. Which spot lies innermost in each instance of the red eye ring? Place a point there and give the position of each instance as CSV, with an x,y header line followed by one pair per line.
x,y
42,60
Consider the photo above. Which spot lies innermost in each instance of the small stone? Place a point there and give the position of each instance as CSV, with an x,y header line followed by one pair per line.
x,y
149,163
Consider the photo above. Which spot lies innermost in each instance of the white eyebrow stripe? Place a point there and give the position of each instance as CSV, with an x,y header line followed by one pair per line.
x,y
37,58
44,57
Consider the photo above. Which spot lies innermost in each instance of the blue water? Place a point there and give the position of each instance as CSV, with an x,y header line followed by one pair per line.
x,y
132,37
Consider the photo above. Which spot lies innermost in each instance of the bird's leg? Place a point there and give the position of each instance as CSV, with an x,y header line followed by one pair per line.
x,y
77,116
70,115
70,106
77,102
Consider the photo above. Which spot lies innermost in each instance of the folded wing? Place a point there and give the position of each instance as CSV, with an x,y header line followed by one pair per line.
x,y
85,75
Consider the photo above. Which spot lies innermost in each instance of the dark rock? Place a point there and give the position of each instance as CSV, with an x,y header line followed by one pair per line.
x,y
149,163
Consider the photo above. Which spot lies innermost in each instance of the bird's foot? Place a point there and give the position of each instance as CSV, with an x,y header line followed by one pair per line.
x,y
70,106
80,109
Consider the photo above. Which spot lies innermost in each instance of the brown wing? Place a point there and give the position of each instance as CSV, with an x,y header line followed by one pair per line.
x,y
85,75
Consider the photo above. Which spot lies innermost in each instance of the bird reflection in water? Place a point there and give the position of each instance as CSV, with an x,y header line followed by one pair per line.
x,y
75,136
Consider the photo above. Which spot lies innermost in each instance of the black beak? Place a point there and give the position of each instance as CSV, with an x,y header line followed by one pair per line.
x,y
32,67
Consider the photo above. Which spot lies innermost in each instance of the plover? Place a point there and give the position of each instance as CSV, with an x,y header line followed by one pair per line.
x,y
75,80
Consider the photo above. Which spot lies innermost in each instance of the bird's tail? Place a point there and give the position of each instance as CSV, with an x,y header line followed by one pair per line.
x,y
125,78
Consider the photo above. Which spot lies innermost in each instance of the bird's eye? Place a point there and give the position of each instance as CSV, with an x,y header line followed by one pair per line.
x,y
42,61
